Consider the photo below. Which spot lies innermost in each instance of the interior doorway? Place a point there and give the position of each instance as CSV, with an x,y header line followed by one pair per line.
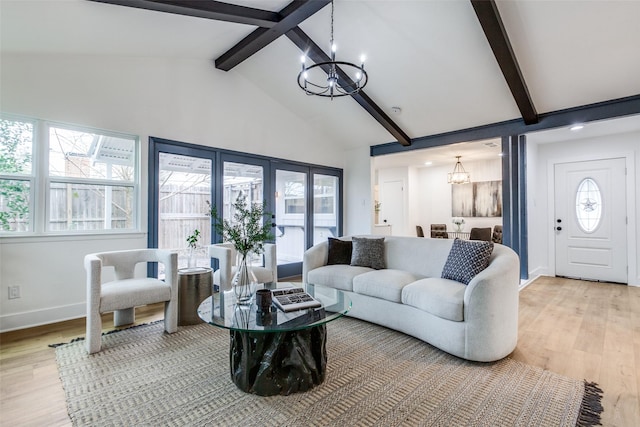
x,y
392,210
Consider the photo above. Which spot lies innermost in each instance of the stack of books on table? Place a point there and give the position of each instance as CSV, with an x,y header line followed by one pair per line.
x,y
292,299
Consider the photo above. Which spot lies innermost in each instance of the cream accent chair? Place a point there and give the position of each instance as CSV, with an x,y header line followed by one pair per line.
x,y
126,292
225,253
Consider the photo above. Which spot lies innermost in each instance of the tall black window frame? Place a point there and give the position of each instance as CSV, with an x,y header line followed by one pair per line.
x,y
218,157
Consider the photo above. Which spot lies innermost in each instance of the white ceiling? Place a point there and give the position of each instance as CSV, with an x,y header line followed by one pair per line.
x,y
488,149
430,58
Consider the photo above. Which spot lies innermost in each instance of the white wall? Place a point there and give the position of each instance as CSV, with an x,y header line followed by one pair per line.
x,y
184,100
541,160
358,192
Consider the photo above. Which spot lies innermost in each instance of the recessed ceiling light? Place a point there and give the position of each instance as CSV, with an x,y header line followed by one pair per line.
x,y
428,163
396,110
576,127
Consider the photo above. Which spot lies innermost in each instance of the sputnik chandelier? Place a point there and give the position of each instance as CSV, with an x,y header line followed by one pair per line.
x,y
459,175
332,79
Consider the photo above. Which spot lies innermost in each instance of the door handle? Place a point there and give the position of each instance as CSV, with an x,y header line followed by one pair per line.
x,y
558,228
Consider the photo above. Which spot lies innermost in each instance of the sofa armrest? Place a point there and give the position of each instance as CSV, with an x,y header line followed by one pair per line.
x,y
314,257
491,305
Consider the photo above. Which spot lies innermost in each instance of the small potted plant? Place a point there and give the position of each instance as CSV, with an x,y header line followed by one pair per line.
x,y
192,242
249,228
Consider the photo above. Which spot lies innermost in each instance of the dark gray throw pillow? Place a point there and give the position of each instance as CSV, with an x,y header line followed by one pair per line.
x,y
339,251
368,252
466,259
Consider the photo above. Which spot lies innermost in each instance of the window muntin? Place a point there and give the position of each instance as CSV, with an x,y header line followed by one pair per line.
x,y
588,205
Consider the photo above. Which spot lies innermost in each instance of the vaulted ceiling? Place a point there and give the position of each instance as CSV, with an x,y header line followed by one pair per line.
x,y
433,59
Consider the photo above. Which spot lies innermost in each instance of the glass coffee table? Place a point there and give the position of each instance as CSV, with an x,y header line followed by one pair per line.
x,y
275,352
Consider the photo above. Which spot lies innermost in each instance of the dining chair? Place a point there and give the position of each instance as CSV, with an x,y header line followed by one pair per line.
x,y
439,231
496,237
480,233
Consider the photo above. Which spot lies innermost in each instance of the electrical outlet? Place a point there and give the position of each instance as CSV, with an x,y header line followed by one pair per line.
x,y
14,292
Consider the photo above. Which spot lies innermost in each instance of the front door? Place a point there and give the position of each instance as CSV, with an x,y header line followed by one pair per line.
x,y
590,220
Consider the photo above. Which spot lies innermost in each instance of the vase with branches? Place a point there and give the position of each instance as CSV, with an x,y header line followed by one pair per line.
x,y
248,229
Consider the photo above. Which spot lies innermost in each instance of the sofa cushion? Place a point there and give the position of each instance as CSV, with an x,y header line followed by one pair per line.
x,y
339,251
383,284
368,252
466,259
336,276
441,297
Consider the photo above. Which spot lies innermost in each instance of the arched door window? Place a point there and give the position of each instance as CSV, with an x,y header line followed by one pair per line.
x,y
588,205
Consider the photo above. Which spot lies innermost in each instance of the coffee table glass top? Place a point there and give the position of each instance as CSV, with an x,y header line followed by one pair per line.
x,y
221,310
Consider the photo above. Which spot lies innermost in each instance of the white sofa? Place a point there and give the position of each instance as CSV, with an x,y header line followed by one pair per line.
x,y
478,321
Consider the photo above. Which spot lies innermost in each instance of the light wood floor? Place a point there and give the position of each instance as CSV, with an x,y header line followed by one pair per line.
x,y
583,330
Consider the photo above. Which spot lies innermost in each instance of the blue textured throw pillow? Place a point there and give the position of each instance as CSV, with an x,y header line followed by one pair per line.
x,y
368,252
466,259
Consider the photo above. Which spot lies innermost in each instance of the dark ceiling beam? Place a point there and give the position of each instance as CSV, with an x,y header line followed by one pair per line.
x,y
489,17
290,17
272,25
317,55
606,110
209,9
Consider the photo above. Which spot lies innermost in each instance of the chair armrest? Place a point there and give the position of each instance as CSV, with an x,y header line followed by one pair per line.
x,y
224,253
93,268
271,260
314,257
170,261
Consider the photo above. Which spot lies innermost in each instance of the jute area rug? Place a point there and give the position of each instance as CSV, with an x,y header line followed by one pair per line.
x,y
375,377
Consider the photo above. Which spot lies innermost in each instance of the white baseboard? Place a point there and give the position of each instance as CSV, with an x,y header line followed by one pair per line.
x,y
29,319
525,283
533,275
